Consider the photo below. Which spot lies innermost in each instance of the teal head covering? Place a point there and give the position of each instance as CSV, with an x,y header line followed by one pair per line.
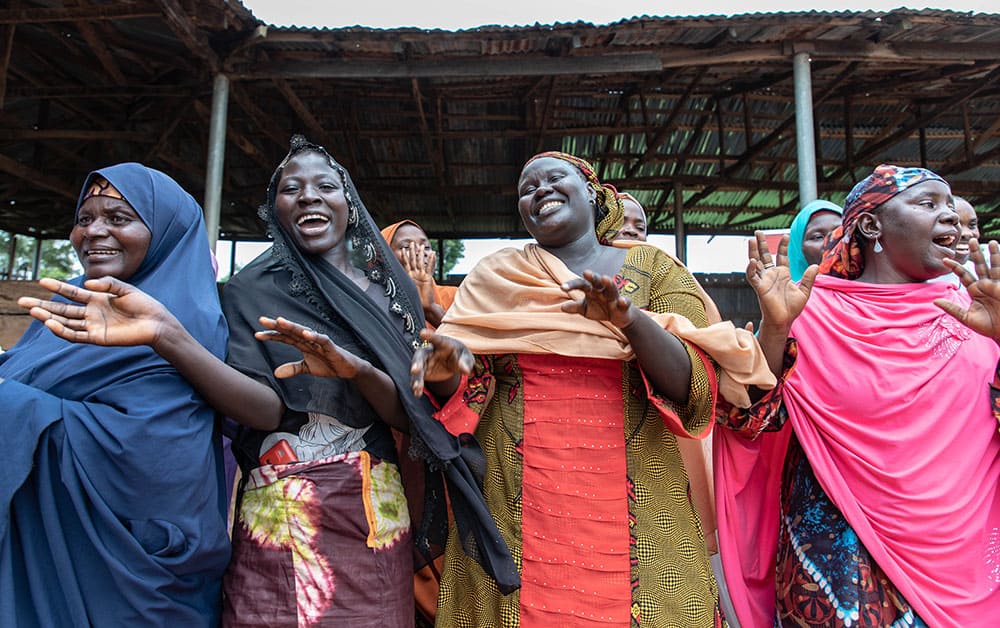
x,y
797,263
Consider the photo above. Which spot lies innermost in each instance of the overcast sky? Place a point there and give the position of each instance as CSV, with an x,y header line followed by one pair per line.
x,y
459,14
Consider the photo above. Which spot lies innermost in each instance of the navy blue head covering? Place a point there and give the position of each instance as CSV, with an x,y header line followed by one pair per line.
x,y
111,503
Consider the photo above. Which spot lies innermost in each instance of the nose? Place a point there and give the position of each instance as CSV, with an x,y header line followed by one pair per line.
x,y
97,228
950,216
308,195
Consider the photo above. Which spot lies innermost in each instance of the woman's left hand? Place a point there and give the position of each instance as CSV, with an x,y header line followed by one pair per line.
x,y
320,356
983,314
601,300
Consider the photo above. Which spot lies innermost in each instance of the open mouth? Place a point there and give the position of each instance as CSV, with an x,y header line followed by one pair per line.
x,y
312,223
947,241
547,208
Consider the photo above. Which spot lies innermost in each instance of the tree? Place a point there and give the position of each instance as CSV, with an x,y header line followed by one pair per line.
x,y
58,259
453,252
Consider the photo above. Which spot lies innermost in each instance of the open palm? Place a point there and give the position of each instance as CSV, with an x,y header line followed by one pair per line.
x,y
110,313
320,356
983,314
781,299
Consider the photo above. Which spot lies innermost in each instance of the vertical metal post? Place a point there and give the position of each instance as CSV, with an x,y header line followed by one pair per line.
x,y
36,267
11,255
805,142
232,259
680,231
216,157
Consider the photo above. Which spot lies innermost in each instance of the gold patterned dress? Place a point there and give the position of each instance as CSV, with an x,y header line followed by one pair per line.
x,y
582,471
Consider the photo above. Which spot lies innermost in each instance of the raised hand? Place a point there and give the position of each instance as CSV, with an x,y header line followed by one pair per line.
x,y
601,300
440,359
419,265
320,356
781,299
983,314
111,313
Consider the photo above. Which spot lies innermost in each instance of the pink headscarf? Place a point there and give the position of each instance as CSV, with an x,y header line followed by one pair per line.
x,y
890,401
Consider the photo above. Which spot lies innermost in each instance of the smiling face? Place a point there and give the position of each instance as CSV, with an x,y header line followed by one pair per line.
x,y
109,238
918,229
311,205
820,224
634,223
554,201
970,228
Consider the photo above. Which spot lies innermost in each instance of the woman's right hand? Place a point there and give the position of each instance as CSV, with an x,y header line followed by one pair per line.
x,y
111,313
438,360
781,299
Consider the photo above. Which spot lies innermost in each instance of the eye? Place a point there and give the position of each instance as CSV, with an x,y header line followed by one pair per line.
x,y
119,219
529,189
84,220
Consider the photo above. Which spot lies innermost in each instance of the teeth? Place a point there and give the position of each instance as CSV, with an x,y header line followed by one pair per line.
x,y
101,252
548,205
306,217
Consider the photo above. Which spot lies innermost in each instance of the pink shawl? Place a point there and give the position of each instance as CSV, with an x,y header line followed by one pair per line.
x,y
890,400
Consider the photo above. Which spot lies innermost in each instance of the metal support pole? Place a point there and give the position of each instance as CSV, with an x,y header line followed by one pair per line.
x,y
680,231
216,157
805,142
36,267
11,255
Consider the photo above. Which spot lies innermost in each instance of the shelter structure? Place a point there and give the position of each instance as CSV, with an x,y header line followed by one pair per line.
x,y
720,125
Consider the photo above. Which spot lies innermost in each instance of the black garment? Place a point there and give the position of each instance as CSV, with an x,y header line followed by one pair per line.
x,y
385,331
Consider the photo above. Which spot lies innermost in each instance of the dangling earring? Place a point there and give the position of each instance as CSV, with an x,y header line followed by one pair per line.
x,y
878,246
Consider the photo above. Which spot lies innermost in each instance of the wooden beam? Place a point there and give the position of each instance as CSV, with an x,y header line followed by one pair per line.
x,y
259,119
480,67
667,127
242,142
104,56
872,148
92,12
316,131
188,33
8,135
35,178
435,158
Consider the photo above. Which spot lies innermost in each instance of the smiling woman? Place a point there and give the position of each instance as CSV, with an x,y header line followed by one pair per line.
x,y
590,363
109,237
98,526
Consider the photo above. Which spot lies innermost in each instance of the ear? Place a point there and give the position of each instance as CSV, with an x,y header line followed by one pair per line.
x,y
869,226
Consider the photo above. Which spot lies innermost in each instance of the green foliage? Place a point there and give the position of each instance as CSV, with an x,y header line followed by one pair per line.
x,y
453,252
58,259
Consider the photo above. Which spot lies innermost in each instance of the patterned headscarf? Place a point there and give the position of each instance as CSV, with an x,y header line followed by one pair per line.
x,y
610,212
844,255
99,186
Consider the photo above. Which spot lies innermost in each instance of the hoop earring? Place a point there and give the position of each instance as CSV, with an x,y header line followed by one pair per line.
x,y
878,246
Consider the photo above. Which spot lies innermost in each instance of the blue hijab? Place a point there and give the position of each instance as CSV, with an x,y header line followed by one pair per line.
x,y
112,510
797,263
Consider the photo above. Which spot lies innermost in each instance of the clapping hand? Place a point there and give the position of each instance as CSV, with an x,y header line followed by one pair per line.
x,y
983,314
781,299
110,313
419,265
440,359
320,356
601,300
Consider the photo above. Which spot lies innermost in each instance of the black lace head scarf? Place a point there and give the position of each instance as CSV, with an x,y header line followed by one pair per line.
x,y
387,338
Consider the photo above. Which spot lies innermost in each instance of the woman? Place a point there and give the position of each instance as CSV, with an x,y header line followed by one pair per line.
x,y
576,401
809,229
876,498
113,505
413,249
323,534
